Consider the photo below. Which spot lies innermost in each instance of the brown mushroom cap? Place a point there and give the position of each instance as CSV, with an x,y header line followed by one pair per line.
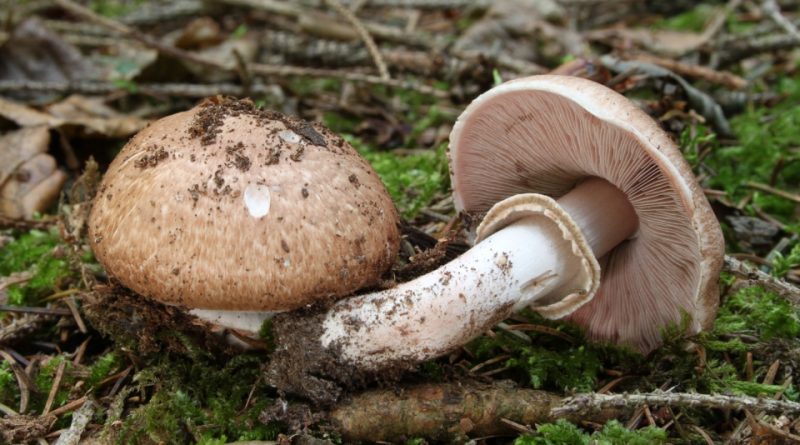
x,y
544,134
229,207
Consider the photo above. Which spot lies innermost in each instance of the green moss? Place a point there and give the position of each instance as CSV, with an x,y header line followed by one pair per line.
x,y
200,400
759,312
613,433
34,251
694,19
573,369
551,363
44,382
412,180
782,264
8,385
102,367
114,8
766,141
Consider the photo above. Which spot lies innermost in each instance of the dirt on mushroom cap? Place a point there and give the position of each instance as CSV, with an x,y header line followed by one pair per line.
x,y
253,209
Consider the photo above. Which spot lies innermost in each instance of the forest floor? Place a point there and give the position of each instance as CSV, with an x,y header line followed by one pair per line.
x,y
391,77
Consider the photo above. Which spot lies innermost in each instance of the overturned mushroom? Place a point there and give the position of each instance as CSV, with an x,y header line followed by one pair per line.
x,y
625,203
233,211
30,180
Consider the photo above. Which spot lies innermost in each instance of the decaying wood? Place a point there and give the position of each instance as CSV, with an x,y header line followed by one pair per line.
x,y
450,411
254,68
24,428
456,411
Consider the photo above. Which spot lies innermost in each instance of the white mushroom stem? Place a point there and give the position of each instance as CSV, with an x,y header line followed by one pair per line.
x,y
532,260
247,321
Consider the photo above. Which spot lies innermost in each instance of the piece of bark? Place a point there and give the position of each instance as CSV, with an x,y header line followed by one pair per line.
x,y
449,411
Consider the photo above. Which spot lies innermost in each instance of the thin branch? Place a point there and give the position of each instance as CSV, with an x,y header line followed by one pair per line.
x,y
773,10
34,310
26,224
191,90
54,388
758,278
80,420
255,68
772,190
292,10
364,34
725,78
586,404
69,407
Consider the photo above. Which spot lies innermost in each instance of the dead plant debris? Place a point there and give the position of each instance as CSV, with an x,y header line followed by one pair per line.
x,y
84,359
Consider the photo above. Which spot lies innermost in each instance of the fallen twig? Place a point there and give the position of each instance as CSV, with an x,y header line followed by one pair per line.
x,y
255,68
364,34
24,381
773,10
20,328
33,310
80,420
586,404
758,278
772,190
699,100
192,90
749,46
725,78
54,387
293,10
69,407
26,224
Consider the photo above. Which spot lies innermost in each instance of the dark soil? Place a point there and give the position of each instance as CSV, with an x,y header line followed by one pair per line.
x,y
302,366
154,156
209,120
147,326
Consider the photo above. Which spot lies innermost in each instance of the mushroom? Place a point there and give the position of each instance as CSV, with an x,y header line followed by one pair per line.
x,y
593,215
30,180
235,212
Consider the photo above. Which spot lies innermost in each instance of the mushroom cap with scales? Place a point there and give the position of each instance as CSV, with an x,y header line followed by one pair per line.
x,y
233,208
544,134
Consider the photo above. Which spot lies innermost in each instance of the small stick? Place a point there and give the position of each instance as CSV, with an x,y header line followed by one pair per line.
x,y
589,403
773,10
725,78
26,224
73,308
759,278
350,16
80,420
255,68
69,407
54,388
23,380
777,192
33,310
191,90
15,278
